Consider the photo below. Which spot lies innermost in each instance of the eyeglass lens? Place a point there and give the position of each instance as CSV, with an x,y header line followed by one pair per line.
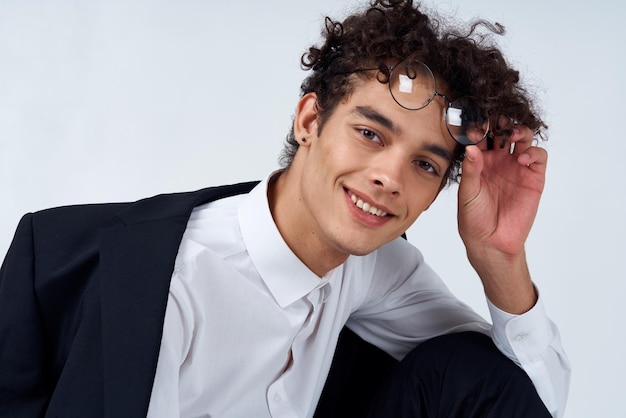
x,y
412,86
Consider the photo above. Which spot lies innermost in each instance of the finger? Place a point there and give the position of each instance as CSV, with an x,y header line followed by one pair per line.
x,y
511,137
522,134
487,143
514,141
522,138
535,158
471,170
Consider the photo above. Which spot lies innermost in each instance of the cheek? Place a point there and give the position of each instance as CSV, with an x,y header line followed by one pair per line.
x,y
421,200
323,166
334,155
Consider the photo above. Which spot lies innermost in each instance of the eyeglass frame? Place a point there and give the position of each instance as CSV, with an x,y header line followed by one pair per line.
x,y
391,68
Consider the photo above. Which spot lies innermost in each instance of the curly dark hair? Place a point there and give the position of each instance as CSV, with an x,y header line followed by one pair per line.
x,y
467,60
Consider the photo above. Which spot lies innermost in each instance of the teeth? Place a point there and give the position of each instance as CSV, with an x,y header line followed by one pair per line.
x,y
366,207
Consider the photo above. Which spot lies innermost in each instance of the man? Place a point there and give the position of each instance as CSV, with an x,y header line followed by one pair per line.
x,y
230,302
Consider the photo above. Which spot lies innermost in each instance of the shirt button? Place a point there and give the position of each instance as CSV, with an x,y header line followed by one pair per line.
x,y
277,398
519,338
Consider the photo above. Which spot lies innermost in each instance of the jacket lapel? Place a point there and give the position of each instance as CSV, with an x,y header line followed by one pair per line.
x,y
137,261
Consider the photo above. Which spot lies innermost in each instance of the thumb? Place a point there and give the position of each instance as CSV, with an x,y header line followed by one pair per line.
x,y
471,168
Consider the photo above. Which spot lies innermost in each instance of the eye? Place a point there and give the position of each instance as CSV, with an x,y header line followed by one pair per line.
x,y
370,135
426,166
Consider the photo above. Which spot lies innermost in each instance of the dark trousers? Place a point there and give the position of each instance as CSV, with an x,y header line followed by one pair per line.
x,y
452,376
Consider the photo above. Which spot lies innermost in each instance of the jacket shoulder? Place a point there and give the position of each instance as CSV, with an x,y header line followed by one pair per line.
x,y
77,226
171,205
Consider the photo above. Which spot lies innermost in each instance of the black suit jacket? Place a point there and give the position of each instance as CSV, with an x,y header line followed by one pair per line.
x,y
83,291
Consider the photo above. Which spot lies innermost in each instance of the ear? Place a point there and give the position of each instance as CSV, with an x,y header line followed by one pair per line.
x,y
305,123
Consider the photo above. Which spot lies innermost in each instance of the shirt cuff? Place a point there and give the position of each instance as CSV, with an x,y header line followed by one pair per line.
x,y
527,340
522,338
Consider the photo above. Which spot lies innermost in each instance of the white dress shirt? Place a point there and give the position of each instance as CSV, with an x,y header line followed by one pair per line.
x,y
250,331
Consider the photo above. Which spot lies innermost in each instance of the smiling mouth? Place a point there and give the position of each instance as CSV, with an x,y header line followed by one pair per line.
x,y
366,207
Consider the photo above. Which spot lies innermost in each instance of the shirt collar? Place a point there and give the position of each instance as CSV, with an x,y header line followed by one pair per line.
x,y
287,278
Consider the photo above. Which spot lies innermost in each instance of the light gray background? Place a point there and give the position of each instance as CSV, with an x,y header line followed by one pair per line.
x,y
114,100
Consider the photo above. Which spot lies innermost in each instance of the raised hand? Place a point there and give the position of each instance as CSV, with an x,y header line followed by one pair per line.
x,y
499,195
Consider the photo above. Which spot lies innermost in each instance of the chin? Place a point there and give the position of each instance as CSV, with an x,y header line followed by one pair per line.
x,y
362,252
359,241
354,247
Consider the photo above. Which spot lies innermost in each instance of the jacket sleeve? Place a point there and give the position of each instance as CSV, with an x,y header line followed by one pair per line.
x,y
24,391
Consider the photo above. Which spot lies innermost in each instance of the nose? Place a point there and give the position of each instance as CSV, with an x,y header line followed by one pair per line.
x,y
386,173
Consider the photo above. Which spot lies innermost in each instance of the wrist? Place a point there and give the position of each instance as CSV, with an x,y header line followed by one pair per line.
x,y
506,280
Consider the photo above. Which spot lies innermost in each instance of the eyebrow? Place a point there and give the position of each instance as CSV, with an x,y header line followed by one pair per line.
x,y
440,151
372,114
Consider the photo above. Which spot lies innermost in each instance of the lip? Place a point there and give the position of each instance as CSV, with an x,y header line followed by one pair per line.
x,y
364,217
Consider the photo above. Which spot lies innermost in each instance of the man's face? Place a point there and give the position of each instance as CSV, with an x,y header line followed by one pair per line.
x,y
372,170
